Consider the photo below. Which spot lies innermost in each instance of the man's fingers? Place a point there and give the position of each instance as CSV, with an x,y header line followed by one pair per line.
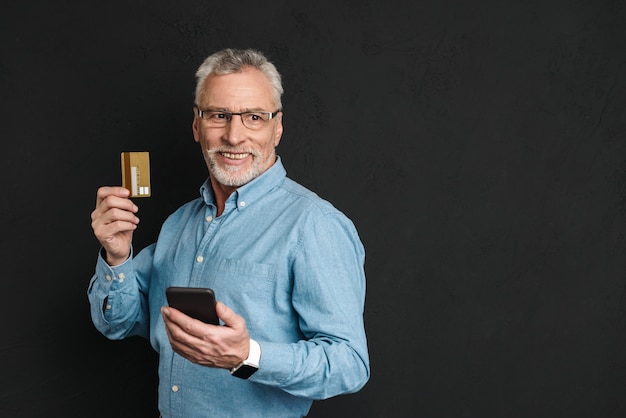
x,y
182,328
201,343
120,215
114,208
112,222
111,202
106,191
117,190
186,323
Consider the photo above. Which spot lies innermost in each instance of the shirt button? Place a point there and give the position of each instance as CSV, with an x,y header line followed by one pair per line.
x,y
242,204
108,278
121,276
175,388
209,218
108,306
200,259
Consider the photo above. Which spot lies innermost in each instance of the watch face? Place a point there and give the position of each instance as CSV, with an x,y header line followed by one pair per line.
x,y
245,371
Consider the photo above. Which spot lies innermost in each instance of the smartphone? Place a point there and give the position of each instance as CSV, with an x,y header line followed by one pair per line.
x,y
197,302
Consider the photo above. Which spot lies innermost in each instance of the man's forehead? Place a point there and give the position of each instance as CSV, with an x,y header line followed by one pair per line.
x,y
250,89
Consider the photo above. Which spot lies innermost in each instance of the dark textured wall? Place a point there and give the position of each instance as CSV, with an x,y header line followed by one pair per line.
x,y
479,147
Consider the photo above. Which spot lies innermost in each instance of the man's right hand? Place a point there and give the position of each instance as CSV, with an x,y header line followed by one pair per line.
x,y
113,222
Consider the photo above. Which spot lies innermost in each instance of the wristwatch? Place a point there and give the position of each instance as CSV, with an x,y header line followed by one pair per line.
x,y
249,366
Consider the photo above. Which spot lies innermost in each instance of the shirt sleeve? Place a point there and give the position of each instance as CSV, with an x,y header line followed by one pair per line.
x,y
118,296
329,296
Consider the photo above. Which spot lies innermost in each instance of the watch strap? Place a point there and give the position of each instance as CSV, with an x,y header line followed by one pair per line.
x,y
249,366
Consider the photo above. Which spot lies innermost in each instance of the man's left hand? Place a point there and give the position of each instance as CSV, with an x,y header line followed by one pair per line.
x,y
223,346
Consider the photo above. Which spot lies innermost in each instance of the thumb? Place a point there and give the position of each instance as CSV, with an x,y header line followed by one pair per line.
x,y
227,315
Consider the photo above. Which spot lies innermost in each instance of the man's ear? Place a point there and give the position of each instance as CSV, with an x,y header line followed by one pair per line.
x,y
279,129
195,127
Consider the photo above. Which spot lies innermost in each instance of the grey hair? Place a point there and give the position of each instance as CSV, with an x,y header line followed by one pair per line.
x,y
230,61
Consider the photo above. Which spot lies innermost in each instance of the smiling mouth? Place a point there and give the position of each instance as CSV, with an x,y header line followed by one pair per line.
x,y
235,156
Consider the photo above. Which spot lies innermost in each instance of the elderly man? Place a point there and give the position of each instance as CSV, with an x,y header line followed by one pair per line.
x,y
286,266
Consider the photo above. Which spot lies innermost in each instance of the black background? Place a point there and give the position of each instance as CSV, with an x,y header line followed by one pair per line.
x,y
479,147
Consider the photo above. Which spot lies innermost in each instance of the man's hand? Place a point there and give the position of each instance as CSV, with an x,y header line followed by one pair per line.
x,y
113,222
208,345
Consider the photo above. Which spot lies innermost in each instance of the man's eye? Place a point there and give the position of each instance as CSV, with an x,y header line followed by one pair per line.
x,y
219,116
254,117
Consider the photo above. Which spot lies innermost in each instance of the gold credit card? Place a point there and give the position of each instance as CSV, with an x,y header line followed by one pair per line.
x,y
136,173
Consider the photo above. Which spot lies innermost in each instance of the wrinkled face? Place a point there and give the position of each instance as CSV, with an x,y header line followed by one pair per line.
x,y
235,154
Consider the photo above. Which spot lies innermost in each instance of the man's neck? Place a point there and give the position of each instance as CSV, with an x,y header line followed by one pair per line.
x,y
221,193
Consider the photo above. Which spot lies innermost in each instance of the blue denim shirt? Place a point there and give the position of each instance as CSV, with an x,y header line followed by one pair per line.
x,y
287,261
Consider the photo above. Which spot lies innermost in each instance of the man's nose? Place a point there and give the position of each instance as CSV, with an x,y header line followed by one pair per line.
x,y
235,130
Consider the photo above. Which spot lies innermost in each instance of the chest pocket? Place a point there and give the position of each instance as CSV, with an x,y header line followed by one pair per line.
x,y
243,286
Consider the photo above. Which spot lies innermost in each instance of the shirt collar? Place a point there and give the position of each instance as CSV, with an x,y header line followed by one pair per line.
x,y
252,191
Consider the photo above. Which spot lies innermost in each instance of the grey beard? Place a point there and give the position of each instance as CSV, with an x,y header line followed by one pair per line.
x,y
232,176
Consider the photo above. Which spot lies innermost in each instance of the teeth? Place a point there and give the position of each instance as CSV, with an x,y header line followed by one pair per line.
x,y
235,156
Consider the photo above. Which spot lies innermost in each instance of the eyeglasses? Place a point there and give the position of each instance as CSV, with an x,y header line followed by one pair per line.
x,y
255,120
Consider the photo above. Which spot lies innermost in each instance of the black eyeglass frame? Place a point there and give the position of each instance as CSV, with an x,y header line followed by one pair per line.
x,y
229,115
